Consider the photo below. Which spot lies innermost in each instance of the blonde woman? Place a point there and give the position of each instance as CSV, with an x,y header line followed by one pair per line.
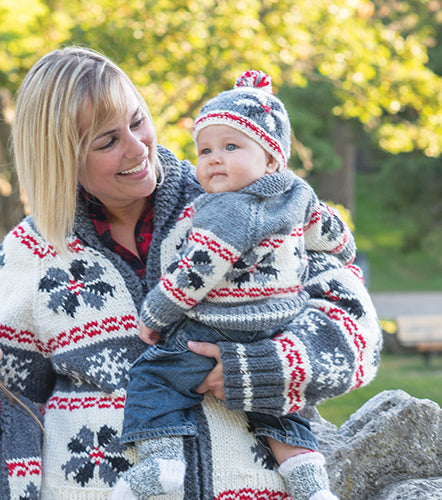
x,y
103,196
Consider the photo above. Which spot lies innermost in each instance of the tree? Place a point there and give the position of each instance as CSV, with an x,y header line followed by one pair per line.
x,y
179,53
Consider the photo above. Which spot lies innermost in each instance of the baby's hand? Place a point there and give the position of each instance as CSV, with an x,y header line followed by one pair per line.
x,y
149,336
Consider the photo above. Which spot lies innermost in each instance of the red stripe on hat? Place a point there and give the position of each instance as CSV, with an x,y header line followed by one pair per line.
x,y
243,121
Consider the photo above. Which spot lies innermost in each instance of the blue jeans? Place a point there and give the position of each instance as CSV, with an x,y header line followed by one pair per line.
x,y
163,381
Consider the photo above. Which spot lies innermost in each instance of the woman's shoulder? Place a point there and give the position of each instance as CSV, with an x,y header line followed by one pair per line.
x,y
180,184
22,239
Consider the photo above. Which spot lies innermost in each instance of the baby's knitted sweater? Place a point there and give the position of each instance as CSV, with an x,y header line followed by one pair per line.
x,y
242,260
68,330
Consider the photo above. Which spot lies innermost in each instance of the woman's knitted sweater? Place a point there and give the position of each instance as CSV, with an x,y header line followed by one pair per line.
x,y
21,442
241,262
68,329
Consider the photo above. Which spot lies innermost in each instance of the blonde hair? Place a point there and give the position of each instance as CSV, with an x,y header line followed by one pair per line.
x,y
49,146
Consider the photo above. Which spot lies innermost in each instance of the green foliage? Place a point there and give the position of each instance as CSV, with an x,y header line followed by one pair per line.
x,y
417,192
311,114
28,29
406,372
359,61
388,219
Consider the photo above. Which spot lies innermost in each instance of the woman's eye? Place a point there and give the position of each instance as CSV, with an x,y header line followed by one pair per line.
x,y
231,147
137,123
108,144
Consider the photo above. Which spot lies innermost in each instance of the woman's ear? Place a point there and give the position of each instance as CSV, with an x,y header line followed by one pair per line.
x,y
272,164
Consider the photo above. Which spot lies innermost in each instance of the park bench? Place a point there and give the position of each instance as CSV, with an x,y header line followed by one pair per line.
x,y
420,333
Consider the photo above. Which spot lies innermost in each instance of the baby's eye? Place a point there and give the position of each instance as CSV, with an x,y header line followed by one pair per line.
x,y
231,147
205,151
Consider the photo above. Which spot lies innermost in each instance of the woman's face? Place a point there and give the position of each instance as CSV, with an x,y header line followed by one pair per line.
x,y
119,166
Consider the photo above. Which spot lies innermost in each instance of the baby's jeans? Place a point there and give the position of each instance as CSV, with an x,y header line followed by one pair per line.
x,y
163,381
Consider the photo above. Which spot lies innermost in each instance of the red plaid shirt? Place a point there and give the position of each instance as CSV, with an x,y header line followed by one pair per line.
x,y
143,232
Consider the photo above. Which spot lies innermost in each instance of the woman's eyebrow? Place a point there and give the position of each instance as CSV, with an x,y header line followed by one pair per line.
x,y
114,130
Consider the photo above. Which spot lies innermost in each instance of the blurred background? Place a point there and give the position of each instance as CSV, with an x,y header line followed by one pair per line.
x,y
362,81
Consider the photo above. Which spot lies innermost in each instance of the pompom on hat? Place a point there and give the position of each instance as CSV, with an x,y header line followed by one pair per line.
x,y
251,108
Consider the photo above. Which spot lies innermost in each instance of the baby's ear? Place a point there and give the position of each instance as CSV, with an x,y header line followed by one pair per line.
x,y
272,164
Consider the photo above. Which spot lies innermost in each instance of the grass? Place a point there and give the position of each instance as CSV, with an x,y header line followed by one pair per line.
x,y
381,235
397,371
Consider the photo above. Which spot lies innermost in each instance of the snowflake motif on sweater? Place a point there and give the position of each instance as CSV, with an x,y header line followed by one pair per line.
x,y
192,275
82,281
263,270
91,451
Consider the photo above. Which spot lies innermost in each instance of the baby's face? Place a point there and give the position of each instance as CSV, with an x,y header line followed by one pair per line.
x,y
229,160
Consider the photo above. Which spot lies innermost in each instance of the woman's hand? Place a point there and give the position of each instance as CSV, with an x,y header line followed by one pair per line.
x,y
214,382
149,336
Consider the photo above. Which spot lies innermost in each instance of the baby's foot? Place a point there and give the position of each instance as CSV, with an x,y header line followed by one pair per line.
x,y
306,477
161,470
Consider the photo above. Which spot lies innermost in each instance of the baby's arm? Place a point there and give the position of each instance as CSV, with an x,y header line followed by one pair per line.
x,y
325,231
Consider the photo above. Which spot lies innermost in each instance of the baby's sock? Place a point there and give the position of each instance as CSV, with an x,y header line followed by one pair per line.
x,y
160,470
306,478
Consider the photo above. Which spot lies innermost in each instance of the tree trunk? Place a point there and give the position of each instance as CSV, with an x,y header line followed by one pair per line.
x,y
338,186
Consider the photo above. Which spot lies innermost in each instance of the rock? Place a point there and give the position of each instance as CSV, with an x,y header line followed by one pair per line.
x,y
389,449
415,489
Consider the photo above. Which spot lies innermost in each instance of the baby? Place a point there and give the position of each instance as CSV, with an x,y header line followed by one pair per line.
x,y
234,270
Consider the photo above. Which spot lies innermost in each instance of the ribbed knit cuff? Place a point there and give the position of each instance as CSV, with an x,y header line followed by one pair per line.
x,y
253,377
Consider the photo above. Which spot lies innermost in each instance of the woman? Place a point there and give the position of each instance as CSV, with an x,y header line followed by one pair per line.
x,y
103,196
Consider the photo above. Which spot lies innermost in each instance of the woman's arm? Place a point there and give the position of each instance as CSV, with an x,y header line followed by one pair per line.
x,y
330,348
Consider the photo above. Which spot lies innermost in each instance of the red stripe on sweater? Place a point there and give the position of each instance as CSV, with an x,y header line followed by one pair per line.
x,y
213,246
347,323
42,250
22,468
252,292
77,334
314,219
188,213
271,243
357,271
177,293
297,372
252,494
78,403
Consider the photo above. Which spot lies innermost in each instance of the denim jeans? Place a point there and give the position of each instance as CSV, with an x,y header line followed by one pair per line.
x,y
163,381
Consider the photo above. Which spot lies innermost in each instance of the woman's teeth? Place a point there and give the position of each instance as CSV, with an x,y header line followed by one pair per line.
x,y
139,168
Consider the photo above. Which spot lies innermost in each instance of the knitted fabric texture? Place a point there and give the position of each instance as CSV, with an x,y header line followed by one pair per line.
x,y
251,108
68,330
21,440
149,477
306,477
243,265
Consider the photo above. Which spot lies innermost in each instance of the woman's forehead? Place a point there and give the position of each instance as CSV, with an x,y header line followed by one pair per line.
x,y
106,112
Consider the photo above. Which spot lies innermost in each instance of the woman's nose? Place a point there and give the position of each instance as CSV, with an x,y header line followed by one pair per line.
x,y
135,147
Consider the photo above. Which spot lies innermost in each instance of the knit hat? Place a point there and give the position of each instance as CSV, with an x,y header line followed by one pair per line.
x,y
251,108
